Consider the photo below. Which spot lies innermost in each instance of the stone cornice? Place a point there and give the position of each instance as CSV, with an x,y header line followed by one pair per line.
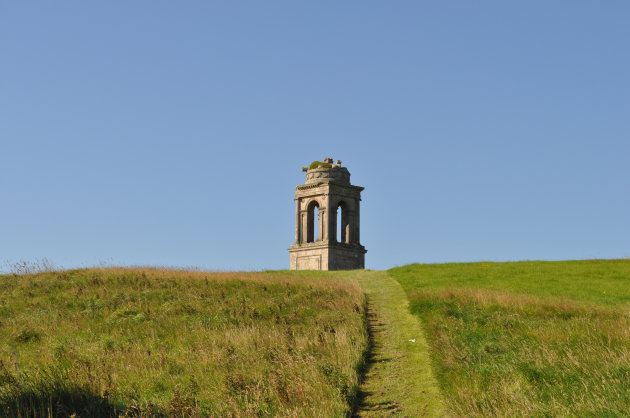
x,y
314,186
327,244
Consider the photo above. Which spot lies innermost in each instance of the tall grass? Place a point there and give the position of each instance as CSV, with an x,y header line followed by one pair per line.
x,y
146,342
527,339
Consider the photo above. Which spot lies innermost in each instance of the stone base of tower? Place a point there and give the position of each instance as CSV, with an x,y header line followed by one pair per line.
x,y
324,256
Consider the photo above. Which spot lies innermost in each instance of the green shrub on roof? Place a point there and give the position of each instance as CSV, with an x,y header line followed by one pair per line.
x,y
318,164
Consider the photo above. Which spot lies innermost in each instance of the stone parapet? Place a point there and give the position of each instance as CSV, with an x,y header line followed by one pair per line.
x,y
334,174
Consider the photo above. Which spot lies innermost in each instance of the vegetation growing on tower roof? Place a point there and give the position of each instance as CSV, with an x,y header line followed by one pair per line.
x,y
319,164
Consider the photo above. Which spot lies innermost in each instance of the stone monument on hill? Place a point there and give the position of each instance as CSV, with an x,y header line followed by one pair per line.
x,y
327,220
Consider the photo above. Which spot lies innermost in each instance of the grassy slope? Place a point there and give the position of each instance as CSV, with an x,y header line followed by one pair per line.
x,y
527,338
234,344
399,380
601,281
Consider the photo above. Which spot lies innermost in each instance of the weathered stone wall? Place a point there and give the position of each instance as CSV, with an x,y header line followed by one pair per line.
x,y
309,258
345,259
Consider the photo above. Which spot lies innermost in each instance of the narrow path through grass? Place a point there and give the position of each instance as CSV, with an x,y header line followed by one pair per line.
x,y
398,380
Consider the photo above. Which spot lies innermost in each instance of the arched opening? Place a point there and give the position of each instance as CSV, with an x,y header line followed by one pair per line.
x,y
312,222
342,227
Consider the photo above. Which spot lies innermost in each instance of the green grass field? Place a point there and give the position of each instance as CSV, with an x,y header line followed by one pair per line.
x,y
526,338
149,342
468,339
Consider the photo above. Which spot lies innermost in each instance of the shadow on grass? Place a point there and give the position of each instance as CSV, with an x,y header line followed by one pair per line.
x,y
51,394
54,399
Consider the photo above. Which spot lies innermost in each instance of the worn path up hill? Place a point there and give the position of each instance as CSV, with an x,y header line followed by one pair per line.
x,y
398,380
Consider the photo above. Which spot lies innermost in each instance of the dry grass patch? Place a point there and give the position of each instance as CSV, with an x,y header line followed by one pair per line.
x,y
150,341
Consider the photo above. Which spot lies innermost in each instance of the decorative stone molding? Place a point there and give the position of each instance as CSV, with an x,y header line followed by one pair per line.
x,y
333,174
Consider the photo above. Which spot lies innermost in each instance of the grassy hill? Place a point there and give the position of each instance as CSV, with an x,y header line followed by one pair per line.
x,y
526,338
149,342
485,339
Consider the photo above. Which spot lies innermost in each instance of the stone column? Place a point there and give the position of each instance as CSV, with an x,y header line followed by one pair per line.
x,y
357,223
350,228
297,221
304,226
345,221
330,220
322,224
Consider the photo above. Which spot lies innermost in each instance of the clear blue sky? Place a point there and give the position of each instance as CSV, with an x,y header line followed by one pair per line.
x,y
172,133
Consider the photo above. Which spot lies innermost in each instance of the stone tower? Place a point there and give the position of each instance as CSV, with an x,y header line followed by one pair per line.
x,y
327,228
